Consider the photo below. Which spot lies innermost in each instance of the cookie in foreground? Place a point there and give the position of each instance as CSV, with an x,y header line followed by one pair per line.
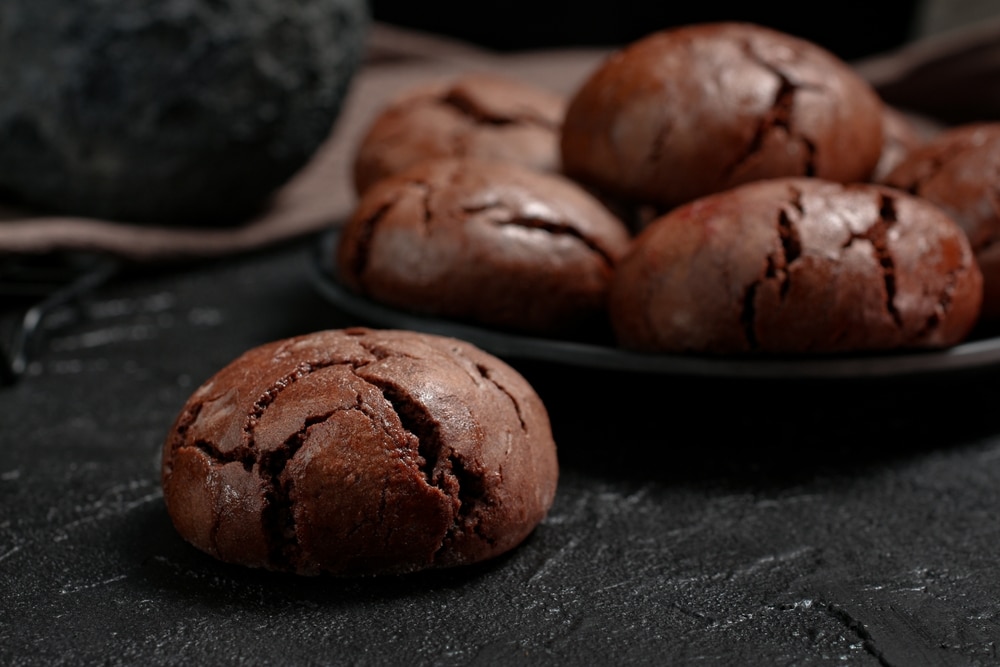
x,y
360,451
798,266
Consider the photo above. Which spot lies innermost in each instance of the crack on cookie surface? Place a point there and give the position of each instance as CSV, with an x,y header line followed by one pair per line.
x,y
658,147
454,475
277,517
367,229
415,420
215,457
380,352
777,265
810,170
239,455
363,240
791,245
779,116
877,235
483,373
270,394
553,227
472,496
487,375
179,436
436,461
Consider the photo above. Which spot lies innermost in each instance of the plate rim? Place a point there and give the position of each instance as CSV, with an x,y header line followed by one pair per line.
x,y
970,355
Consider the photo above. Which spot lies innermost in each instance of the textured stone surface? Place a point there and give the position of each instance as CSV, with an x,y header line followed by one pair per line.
x,y
825,523
182,111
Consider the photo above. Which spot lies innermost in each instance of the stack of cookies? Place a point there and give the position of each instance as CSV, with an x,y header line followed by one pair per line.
x,y
714,189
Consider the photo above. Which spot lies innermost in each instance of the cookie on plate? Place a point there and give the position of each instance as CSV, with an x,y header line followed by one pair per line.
x,y
485,242
797,266
958,171
697,109
478,114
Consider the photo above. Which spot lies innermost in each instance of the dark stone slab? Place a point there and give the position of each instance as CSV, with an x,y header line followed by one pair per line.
x,y
697,521
186,112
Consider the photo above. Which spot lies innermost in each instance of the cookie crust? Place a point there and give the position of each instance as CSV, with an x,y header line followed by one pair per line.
x,y
479,114
486,242
797,266
690,111
360,452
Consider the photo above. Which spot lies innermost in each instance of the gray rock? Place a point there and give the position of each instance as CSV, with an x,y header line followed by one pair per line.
x,y
183,112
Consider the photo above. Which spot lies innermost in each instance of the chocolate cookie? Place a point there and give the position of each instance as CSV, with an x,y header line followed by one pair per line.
x,y
797,265
959,171
488,242
480,115
360,452
698,109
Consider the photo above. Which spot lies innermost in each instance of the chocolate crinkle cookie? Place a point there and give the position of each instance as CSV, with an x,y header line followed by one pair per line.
x,y
959,171
478,114
689,111
360,452
487,242
797,266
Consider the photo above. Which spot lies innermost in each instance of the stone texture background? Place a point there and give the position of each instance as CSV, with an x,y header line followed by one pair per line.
x,y
698,520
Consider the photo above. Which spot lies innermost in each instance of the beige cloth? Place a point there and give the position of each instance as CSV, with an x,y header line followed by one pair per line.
x,y
951,68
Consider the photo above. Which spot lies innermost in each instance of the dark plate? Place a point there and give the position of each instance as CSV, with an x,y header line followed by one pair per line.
x,y
975,354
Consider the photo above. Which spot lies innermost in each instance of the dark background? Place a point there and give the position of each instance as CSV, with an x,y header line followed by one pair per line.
x,y
698,520
850,29
703,521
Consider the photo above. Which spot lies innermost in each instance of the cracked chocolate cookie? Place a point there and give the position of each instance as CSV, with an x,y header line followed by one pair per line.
x,y
481,115
360,452
488,242
959,171
797,266
698,109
